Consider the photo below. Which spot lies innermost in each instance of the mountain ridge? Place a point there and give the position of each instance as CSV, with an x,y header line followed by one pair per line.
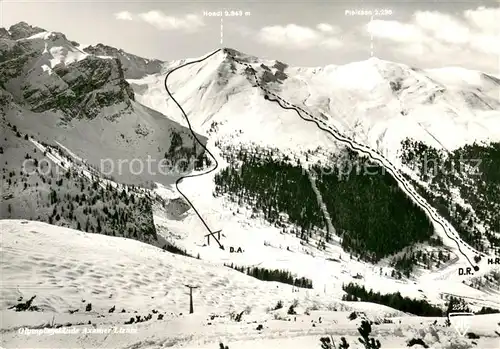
x,y
266,70
373,102
76,92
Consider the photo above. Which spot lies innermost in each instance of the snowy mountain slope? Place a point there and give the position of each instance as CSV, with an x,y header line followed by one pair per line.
x,y
252,119
111,145
394,101
145,280
404,184
214,95
383,91
24,61
239,219
224,103
169,272
57,91
378,104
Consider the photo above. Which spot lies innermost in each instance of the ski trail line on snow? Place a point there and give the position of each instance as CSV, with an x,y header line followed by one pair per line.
x,y
432,213
199,142
329,226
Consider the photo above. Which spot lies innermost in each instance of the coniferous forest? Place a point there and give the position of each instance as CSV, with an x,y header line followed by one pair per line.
x,y
277,275
368,210
394,300
424,259
273,186
40,190
473,172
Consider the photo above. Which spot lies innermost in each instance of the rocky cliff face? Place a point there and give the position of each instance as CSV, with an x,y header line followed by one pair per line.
x,y
82,89
4,34
134,67
23,30
48,72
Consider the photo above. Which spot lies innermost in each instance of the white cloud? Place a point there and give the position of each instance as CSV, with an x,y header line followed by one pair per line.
x,y
294,36
325,27
332,43
291,34
123,15
443,38
442,27
161,21
395,30
484,19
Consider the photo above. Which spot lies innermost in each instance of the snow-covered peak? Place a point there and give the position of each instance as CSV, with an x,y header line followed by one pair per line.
x,y
379,102
48,71
230,52
54,47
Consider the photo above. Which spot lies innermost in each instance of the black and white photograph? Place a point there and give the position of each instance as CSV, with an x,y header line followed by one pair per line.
x,y
236,174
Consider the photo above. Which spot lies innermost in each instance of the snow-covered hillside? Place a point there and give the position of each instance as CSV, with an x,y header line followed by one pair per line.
x,y
377,104
138,280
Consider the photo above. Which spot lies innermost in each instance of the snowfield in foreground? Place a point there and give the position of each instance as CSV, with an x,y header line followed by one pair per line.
x,y
68,269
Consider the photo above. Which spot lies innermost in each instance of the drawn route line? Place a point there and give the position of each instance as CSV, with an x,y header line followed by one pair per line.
x,y
338,136
212,233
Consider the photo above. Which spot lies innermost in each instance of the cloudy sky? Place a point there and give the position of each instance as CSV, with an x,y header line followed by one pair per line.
x,y
304,33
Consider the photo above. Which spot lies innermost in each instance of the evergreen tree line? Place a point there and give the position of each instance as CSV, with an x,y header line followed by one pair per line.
x,y
479,187
369,211
394,300
71,199
277,275
177,151
177,250
408,261
374,217
272,186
